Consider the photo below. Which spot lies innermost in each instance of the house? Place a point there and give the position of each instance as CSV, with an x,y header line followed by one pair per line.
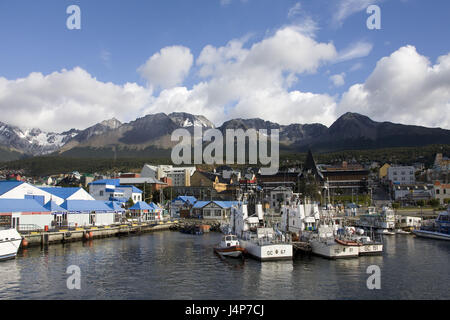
x,y
142,212
88,213
217,210
441,163
197,210
112,190
441,192
383,172
181,203
211,180
279,196
24,214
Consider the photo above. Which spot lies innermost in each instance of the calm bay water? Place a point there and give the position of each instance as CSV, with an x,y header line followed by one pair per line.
x,y
172,265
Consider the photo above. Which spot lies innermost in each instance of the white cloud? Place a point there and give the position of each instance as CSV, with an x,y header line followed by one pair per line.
x,y
355,50
295,10
338,79
404,87
67,99
346,8
255,81
167,68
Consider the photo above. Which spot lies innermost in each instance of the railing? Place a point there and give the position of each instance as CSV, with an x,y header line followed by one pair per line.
x,y
28,228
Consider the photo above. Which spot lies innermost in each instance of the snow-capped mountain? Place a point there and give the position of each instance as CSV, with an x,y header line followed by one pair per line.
x,y
186,120
33,141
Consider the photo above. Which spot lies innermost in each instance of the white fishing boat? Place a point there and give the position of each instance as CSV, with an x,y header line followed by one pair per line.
x,y
359,237
229,246
440,230
324,244
261,243
10,241
382,223
400,231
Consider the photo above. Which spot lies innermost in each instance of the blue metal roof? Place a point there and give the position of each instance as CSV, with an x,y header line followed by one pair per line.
x,y
141,205
6,186
63,193
21,205
118,199
189,199
226,204
114,205
86,206
133,189
200,204
53,207
114,182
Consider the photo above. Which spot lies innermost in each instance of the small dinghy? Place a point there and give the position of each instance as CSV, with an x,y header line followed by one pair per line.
x,y
229,247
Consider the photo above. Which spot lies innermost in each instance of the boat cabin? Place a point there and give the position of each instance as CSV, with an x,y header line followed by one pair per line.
x,y
229,241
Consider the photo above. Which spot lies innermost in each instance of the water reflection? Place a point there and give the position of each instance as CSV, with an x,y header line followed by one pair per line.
x,y
172,265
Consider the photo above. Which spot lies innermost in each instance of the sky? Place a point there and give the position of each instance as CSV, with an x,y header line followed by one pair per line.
x,y
285,61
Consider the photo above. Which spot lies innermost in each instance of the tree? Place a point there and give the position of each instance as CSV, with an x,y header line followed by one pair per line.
x,y
434,203
129,203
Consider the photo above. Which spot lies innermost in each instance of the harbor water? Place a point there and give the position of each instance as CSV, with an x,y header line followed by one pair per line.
x,y
172,265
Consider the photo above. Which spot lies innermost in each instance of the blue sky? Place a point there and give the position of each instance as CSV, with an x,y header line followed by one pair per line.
x,y
118,37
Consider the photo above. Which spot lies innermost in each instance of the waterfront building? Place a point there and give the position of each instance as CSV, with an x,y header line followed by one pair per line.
x,y
217,210
143,212
88,213
59,214
23,214
181,203
67,193
24,190
441,192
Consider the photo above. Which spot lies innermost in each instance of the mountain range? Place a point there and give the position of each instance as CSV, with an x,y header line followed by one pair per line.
x,y
149,136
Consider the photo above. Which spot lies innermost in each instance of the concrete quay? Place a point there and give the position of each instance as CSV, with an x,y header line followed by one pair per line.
x,y
33,239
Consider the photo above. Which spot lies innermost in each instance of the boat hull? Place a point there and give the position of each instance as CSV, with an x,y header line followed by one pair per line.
x,y
233,252
334,250
432,235
268,252
372,249
10,241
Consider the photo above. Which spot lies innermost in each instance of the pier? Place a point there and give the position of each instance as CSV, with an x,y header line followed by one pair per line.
x,y
46,238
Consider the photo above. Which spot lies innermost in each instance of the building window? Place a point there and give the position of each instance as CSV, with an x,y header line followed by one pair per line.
x,y
437,191
101,193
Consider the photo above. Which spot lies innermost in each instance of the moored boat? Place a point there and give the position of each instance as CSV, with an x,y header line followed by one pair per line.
x,y
10,241
229,247
440,230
